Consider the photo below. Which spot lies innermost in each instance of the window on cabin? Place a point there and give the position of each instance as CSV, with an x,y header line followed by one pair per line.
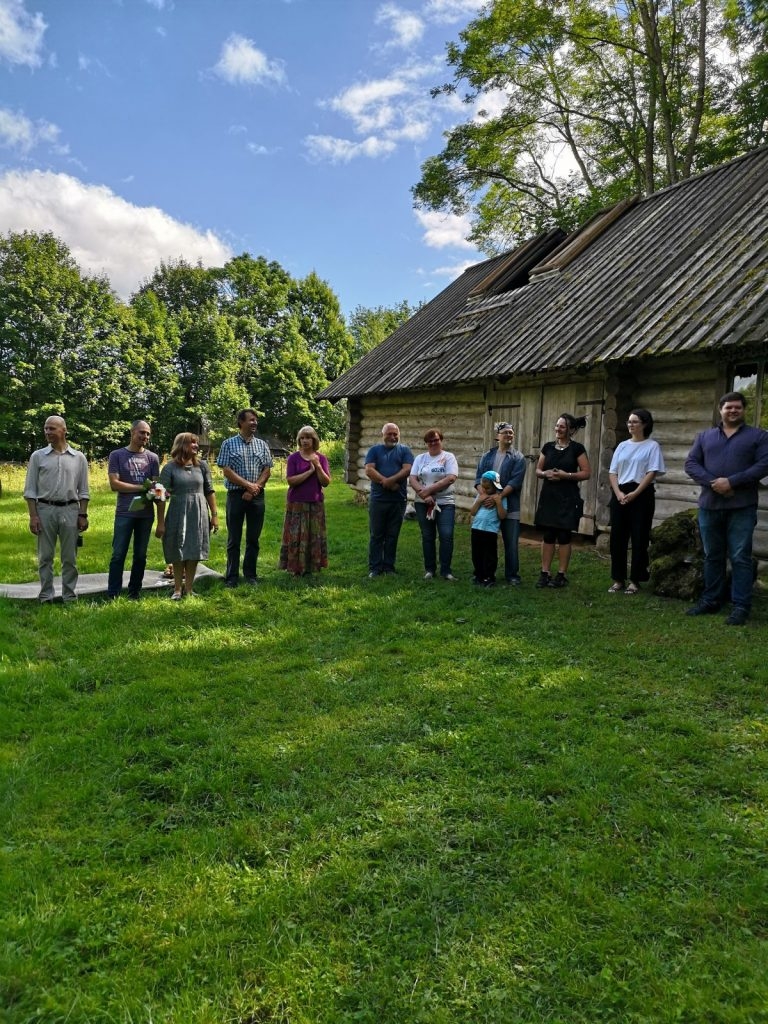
x,y
749,379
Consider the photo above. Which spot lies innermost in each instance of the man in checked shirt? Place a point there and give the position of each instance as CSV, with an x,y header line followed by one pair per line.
x,y
246,463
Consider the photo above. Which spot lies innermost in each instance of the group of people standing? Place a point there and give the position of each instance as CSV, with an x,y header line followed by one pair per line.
x,y
57,493
391,466
727,461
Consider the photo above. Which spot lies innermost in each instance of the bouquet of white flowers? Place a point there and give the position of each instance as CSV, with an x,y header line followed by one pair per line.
x,y
151,491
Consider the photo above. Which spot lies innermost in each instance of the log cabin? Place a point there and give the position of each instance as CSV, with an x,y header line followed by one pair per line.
x,y
659,302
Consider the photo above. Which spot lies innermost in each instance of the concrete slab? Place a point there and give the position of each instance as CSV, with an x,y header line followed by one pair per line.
x,y
96,583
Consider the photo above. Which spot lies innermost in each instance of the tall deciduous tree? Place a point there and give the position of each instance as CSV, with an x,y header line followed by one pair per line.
x,y
321,324
370,326
206,359
65,348
580,102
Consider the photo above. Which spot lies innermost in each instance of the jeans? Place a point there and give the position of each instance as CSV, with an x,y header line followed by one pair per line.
x,y
727,533
384,519
252,514
140,528
441,526
510,534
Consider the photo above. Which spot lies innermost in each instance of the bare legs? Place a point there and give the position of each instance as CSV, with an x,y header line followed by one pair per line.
x,y
548,554
183,577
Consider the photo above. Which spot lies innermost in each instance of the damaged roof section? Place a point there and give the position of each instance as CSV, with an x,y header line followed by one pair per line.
x,y
682,270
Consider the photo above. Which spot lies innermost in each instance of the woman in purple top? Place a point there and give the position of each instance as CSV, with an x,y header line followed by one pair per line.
x,y
304,549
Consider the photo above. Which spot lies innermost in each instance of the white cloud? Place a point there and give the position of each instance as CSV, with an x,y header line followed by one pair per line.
x,y
92,65
368,105
407,28
453,271
19,133
326,147
445,11
241,62
442,230
259,150
105,233
21,34
490,104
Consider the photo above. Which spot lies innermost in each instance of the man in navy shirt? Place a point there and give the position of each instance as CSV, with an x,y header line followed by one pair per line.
x,y
127,469
387,466
728,461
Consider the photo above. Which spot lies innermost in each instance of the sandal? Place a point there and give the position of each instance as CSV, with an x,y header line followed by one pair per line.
x,y
168,573
632,589
617,588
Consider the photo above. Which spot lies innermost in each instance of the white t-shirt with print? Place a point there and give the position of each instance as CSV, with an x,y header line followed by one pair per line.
x,y
430,469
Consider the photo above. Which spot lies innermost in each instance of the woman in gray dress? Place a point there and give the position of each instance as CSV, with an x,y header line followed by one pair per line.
x,y
185,529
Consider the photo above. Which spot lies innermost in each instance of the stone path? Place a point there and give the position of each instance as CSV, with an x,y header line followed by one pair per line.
x,y
96,583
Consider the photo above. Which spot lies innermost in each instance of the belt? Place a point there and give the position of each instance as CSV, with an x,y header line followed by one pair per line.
x,y
59,504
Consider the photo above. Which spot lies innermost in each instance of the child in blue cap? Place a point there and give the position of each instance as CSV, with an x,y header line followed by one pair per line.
x,y
486,523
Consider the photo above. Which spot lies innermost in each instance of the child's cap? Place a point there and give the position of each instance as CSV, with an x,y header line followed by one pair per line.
x,y
493,476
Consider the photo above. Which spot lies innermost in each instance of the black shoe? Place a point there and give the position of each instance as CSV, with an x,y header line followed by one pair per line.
x,y
738,617
489,583
561,580
703,609
543,580
230,584
251,581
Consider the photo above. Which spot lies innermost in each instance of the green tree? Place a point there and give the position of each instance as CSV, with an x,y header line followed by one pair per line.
x,y
634,94
321,324
370,326
160,399
285,392
206,361
66,348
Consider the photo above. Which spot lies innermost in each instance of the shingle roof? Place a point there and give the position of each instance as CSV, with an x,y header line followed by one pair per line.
x,y
682,270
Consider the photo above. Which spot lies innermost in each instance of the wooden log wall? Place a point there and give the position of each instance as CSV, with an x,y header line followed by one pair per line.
x,y
683,397
458,414
681,393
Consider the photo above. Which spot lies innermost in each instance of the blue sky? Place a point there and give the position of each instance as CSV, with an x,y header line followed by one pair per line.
x,y
141,130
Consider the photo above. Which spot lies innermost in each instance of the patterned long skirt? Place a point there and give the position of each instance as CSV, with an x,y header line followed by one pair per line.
x,y
305,546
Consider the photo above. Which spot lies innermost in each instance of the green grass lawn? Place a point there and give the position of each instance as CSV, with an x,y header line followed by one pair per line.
x,y
386,801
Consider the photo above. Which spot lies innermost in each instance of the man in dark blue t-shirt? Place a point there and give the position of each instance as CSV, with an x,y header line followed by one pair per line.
x,y
128,468
387,466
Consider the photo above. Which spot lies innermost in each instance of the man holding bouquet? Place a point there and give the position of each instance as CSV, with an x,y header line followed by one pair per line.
x,y
131,471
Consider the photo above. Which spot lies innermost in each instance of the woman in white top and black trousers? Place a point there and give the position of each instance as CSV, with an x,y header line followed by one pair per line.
x,y
635,465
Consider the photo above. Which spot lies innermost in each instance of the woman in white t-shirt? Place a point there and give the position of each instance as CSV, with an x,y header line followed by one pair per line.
x,y
433,475
635,465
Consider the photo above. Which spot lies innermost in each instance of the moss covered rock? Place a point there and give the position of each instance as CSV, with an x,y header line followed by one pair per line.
x,y
677,558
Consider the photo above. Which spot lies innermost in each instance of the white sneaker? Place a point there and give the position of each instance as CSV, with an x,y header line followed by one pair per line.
x,y
450,577
429,575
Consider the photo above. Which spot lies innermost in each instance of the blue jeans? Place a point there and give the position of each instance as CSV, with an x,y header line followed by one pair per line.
x,y
441,526
727,533
252,514
384,519
510,534
140,528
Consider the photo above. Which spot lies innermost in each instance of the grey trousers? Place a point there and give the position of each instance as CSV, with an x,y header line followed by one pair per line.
x,y
57,523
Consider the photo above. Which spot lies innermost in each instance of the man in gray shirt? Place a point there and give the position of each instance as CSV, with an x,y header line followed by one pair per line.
x,y
57,495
